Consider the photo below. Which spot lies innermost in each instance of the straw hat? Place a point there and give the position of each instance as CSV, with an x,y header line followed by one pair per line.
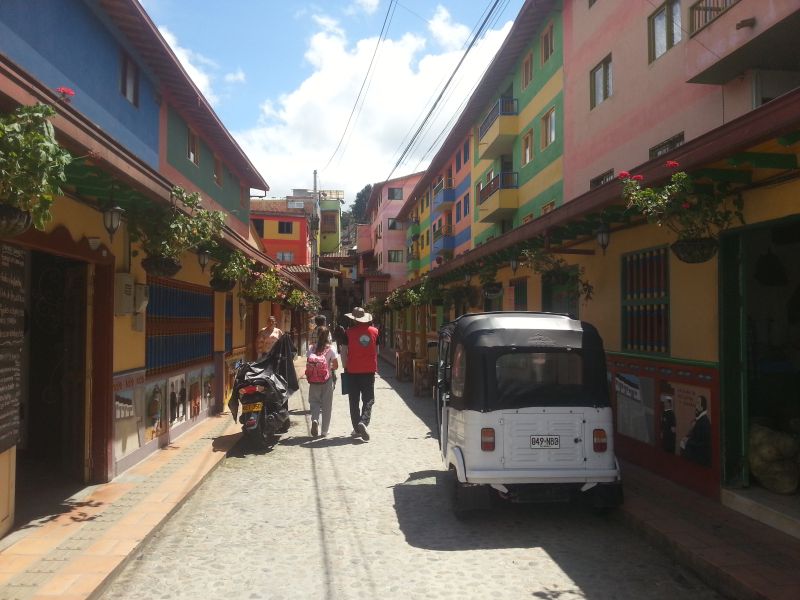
x,y
359,315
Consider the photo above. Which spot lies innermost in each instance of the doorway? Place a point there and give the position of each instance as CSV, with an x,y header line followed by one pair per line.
x,y
52,457
760,362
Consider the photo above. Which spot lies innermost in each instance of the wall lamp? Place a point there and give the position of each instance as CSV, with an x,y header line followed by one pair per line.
x,y
112,217
603,236
242,309
514,264
203,257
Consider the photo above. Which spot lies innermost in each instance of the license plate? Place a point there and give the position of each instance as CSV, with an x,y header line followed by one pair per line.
x,y
254,407
545,442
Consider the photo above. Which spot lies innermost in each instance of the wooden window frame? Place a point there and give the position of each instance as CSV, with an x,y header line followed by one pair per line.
x,y
645,301
527,70
548,129
466,205
192,147
128,65
218,174
284,223
548,44
604,67
527,142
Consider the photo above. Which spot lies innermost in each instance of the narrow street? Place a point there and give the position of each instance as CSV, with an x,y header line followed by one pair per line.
x,y
338,518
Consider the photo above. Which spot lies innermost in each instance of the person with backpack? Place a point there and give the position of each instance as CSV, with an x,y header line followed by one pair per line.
x,y
321,364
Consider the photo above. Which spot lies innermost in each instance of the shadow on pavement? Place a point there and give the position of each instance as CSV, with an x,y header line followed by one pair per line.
x,y
421,406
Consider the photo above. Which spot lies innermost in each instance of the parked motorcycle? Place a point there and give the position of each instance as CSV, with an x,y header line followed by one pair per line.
x,y
264,399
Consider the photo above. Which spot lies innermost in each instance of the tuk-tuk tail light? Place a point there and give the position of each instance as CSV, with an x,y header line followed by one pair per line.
x,y
487,439
599,440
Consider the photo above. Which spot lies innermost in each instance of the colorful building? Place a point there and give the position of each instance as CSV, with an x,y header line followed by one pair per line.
x,y
112,362
330,228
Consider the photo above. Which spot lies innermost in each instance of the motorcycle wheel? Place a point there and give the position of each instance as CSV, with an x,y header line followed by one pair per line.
x,y
266,432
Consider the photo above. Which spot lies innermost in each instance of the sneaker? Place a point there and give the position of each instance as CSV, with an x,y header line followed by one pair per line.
x,y
362,431
314,428
355,434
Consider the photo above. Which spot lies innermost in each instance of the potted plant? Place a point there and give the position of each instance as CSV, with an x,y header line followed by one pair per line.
x,y
697,217
558,271
232,268
262,287
166,232
32,168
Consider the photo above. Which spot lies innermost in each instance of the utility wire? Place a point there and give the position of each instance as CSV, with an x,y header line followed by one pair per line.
x,y
452,75
381,37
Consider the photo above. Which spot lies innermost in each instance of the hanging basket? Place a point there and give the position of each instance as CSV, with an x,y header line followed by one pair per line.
x,y
13,221
222,285
696,250
161,266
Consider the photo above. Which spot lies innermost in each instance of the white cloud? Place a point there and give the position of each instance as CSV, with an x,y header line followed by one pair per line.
x,y
449,35
237,76
298,131
367,6
196,65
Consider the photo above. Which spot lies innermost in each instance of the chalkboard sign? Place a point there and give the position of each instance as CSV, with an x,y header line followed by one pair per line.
x,y
12,332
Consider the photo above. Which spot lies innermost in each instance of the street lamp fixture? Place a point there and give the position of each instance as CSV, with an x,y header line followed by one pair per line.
x,y
603,236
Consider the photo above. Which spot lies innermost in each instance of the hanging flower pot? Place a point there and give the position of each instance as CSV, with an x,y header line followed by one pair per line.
x,y
161,266
13,221
696,250
222,285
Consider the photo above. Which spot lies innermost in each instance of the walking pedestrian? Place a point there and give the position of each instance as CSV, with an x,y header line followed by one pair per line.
x,y
321,364
361,366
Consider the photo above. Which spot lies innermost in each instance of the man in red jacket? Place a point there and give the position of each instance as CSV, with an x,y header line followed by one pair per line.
x,y
361,365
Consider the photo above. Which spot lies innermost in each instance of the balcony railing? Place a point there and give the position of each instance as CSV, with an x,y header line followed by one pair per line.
x,y
444,231
500,181
504,106
446,183
705,11
412,255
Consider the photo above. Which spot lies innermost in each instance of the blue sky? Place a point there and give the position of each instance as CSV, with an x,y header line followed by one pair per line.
x,y
284,77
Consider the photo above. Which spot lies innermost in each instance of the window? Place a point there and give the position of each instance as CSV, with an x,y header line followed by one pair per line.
x,y
395,256
520,294
244,197
591,3
600,82
466,151
395,193
328,222
549,207
548,43
259,225
466,204
596,182
192,146
527,147
458,211
285,226
664,28
666,146
428,238
393,225
527,218
645,301
284,257
129,80
217,171
527,70
458,160
548,128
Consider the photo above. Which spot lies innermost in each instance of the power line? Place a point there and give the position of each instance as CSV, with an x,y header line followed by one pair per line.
x,y
381,37
452,75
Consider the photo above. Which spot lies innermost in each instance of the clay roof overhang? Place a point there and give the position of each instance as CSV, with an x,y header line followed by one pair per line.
x,y
306,269
134,23
748,150
529,20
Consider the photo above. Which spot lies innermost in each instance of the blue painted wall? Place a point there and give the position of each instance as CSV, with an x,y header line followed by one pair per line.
x,y
67,43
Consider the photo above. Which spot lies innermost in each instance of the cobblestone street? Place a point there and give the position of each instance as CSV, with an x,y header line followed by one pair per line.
x,y
338,518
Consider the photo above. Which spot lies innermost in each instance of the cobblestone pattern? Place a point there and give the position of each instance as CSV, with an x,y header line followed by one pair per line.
x,y
340,518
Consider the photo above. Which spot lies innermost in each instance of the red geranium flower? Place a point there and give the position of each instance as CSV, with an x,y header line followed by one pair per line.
x,y
65,93
623,175
638,177
672,164
686,205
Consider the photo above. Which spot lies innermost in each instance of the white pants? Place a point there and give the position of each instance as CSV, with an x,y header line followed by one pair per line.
x,y
320,399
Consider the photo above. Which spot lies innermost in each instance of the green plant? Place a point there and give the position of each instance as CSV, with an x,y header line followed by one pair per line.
x,y
679,206
375,307
262,287
572,277
169,231
32,164
233,266
487,273
401,298
300,300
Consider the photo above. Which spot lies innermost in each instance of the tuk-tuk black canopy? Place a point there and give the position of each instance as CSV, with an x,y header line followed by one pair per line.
x,y
486,336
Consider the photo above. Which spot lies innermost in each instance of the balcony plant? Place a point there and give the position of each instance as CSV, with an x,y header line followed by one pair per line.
x,y
558,271
166,232
696,216
233,267
303,301
32,168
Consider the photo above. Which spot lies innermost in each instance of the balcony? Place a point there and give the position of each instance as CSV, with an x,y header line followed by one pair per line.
x,y
731,38
499,129
443,195
499,199
413,230
413,263
443,241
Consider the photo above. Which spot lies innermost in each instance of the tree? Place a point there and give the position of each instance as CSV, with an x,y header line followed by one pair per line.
x,y
360,204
